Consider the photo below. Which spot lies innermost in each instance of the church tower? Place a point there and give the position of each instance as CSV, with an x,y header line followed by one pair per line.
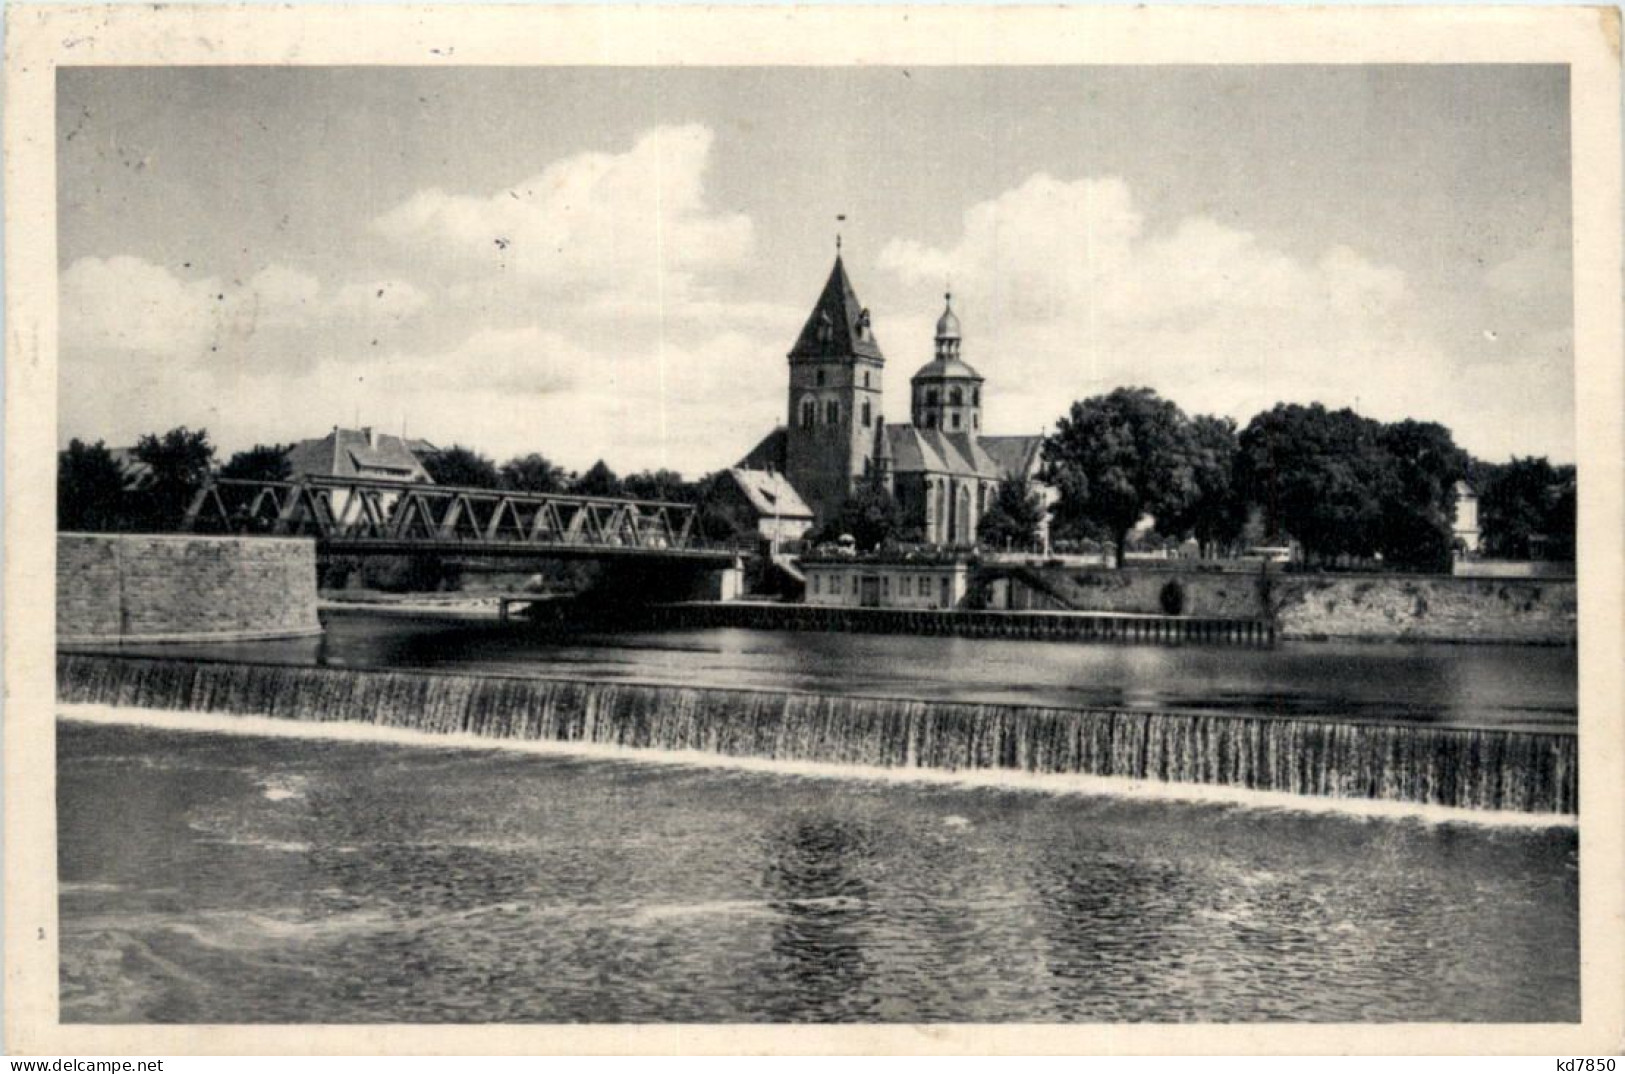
x,y
835,396
946,393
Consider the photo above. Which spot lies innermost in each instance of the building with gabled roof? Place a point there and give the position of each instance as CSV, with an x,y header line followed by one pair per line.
x,y
941,468
363,452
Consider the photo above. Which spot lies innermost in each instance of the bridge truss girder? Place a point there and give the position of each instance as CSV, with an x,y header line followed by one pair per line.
x,y
359,514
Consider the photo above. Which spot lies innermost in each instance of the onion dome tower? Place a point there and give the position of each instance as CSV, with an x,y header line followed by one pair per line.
x,y
946,392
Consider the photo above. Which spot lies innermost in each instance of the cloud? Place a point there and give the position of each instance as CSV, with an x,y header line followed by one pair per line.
x,y
1066,291
632,224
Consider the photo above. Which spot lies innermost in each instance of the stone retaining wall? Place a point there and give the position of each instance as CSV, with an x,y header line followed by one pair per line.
x,y
1401,607
140,587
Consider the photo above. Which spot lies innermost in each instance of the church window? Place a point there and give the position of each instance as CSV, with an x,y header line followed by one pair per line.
x,y
820,378
976,397
930,421
956,397
809,413
954,419
903,586
931,397
816,581
832,413
866,413
865,378
976,421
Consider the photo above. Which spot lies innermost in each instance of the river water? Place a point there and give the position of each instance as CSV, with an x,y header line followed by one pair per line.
x,y
225,874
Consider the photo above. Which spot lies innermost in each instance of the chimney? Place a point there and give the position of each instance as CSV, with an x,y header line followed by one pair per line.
x,y
372,438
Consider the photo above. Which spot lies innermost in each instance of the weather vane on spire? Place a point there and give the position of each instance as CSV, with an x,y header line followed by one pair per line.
x,y
839,219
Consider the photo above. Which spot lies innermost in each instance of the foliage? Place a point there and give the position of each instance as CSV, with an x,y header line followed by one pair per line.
x,y
662,484
90,494
1318,475
1523,500
1116,458
724,514
1014,517
532,473
261,462
1217,512
599,480
461,466
180,461
871,515
1422,464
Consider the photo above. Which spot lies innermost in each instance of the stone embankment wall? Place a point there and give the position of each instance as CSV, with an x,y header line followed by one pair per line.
x,y
1375,607
138,587
1426,608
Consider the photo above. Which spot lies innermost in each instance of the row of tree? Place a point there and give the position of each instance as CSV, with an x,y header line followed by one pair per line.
x,y
1341,485
151,490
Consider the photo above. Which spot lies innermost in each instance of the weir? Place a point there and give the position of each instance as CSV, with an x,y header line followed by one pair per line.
x,y
1470,768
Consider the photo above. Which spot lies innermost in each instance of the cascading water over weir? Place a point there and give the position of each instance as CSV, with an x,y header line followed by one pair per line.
x,y
1468,768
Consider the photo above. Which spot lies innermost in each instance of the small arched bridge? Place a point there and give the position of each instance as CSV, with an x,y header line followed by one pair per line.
x,y
350,516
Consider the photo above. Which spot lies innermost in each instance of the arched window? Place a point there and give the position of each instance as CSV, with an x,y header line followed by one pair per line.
x,y
976,397
809,413
956,397
832,413
866,413
865,378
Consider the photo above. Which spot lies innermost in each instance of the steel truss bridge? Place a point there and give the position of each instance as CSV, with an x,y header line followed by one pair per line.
x,y
359,516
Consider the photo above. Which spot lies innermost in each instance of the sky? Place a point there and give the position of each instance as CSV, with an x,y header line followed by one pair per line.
x,y
613,263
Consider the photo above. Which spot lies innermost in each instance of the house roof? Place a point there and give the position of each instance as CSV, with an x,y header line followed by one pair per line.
x,y
770,493
356,453
837,327
137,474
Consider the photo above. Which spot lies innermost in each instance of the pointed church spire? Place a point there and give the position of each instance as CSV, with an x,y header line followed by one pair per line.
x,y
839,325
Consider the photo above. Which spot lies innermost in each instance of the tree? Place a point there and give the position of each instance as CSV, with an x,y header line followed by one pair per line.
x,y
89,489
1217,512
1418,494
461,466
871,515
259,463
180,461
723,514
1318,475
661,484
1116,458
1014,516
532,473
599,480
1525,499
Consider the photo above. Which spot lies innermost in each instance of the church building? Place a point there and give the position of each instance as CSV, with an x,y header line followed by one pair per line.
x,y
939,465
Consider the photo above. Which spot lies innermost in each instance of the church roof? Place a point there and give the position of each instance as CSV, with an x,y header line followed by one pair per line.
x,y
769,453
946,369
993,458
837,327
1016,456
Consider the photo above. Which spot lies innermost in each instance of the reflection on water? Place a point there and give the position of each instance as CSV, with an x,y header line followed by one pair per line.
x,y
1442,684
216,878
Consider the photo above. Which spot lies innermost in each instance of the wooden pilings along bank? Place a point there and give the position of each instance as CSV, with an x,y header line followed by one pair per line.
x,y
1042,626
